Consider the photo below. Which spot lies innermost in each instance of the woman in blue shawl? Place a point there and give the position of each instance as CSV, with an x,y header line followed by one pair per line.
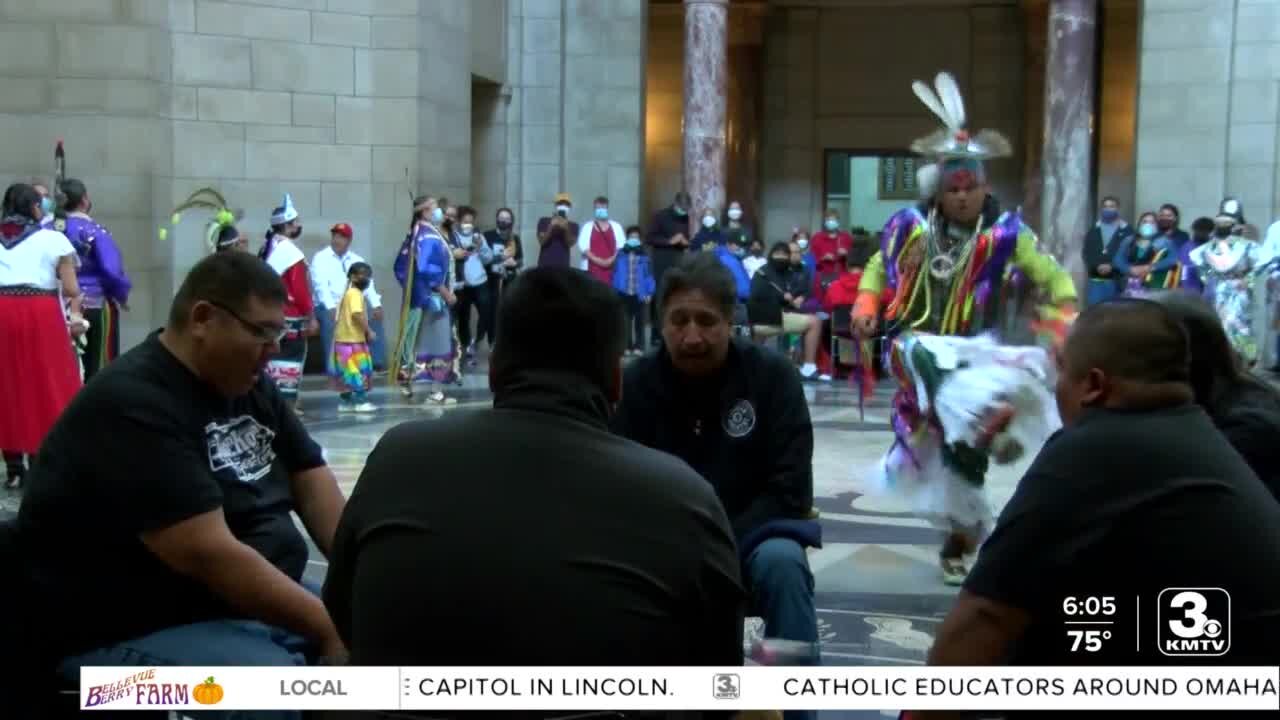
x,y
426,349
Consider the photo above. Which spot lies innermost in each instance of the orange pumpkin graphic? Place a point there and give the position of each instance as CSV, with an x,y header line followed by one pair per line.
x,y
207,692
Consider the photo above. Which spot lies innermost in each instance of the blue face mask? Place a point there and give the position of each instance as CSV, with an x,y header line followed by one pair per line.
x,y
46,205
633,243
1110,215
831,224
602,213
437,216
1147,230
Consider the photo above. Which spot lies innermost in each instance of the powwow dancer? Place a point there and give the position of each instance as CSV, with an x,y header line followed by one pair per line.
x,y
101,274
426,346
1237,269
287,260
947,264
220,234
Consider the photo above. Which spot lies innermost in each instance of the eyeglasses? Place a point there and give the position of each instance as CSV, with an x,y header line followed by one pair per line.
x,y
265,334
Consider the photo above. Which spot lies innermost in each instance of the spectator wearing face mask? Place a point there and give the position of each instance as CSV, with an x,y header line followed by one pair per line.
x,y
1167,221
709,235
755,258
633,280
668,241
474,256
1100,246
831,245
730,254
803,269
600,242
737,228
1148,260
556,233
1201,231
800,241
774,305
508,255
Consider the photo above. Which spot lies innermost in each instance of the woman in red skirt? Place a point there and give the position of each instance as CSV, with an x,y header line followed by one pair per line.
x,y
38,369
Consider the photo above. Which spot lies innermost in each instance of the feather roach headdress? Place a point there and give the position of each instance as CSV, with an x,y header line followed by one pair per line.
x,y
213,201
951,144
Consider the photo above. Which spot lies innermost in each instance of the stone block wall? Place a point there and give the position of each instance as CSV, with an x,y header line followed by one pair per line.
x,y
95,74
575,108
352,106
1208,117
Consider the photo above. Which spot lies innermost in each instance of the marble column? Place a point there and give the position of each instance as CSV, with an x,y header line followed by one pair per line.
x,y
706,94
1067,162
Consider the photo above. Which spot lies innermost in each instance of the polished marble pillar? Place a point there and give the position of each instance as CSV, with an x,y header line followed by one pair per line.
x,y
1067,162
706,95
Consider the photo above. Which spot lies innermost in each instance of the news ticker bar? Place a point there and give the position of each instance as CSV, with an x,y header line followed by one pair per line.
x,y
681,688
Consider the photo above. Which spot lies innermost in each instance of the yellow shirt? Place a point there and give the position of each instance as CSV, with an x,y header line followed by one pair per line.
x,y
346,330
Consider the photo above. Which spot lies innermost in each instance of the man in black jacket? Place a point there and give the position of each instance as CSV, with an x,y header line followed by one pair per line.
x,y
558,544
737,413
1100,245
669,242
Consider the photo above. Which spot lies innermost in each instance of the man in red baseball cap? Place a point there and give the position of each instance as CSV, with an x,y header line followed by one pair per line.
x,y
329,277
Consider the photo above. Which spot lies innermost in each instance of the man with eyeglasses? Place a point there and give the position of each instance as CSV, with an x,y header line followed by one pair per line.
x,y
157,523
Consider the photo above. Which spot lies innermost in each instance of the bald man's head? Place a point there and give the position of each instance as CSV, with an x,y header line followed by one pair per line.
x,y
1124,354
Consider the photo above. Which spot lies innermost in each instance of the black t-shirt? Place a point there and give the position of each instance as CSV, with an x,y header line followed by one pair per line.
x,y
1125,505
144,446
561,544
1250,420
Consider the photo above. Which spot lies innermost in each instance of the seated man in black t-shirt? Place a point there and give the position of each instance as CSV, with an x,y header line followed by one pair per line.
x,y
1138,493
157,523
557,543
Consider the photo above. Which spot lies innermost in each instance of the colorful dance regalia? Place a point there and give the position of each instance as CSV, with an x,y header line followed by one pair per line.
x,y
1234,267
1165,274
40,376
947,285
288,261
941,452
426,349
104,284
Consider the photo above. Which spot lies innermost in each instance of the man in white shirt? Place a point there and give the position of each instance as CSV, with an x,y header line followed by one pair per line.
x,y
329,276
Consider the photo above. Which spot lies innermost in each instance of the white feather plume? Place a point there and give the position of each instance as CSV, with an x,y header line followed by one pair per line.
x,y
952,102
930,99
927,180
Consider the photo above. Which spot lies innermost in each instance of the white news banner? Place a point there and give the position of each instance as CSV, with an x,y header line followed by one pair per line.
x,y
681,688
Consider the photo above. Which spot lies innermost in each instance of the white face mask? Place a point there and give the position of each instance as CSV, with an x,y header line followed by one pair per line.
x,y
467,229
735,213
708,221
803,243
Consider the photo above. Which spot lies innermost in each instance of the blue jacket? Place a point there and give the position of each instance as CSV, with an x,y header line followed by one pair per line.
x,y
431,258
734,263
645,285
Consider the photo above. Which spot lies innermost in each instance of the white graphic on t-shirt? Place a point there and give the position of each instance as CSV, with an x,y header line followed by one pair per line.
x,y
242,444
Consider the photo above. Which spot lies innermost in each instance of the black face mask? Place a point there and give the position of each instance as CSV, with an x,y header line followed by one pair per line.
x,y
1222,231
297,233
361,284
780,264
504,224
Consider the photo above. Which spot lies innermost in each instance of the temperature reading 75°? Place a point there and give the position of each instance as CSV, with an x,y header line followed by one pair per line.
x,y
1089,640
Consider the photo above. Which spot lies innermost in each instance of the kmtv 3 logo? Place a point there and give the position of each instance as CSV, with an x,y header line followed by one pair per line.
x,y
726,687
1194,622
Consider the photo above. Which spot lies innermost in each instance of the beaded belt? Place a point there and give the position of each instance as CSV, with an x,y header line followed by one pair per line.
x,y
26,290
